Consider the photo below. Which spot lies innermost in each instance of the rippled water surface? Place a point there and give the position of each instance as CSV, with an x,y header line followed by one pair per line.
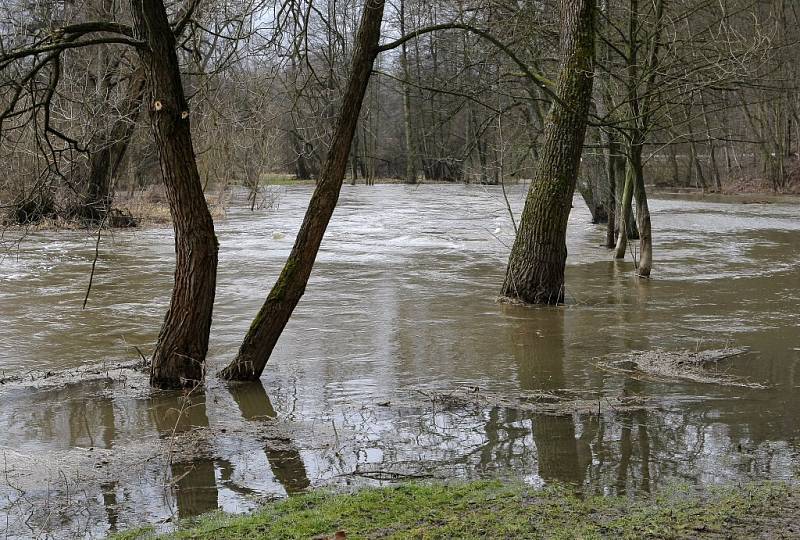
x,y
400,311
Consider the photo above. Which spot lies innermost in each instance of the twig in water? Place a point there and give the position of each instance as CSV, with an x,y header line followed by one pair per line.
x,y
94,261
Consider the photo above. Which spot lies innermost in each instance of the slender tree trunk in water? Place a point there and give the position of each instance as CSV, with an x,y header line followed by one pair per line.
x,y
287,291
625,213
634,187
411,152
640,112
605,104
535,272
180,353
611,196
642,214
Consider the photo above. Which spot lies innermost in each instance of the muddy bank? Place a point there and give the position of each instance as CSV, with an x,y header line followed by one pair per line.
x,y
143,208
705,367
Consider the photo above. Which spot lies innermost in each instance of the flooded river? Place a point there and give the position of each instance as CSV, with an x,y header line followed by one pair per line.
x,y
399,313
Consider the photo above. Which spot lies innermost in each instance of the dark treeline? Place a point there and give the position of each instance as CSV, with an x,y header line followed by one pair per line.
x,y
101,98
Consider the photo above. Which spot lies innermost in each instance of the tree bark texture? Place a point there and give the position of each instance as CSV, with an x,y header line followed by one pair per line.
x,y
535,272
286,293
180,353
645,263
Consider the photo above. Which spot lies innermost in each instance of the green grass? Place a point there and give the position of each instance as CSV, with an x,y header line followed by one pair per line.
x,y
491,509
281,180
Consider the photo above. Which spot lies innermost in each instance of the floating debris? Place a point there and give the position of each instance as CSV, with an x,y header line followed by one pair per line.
x,y
679,365
557,402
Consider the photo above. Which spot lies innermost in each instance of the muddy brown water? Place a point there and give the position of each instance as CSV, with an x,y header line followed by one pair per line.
x,y
400,311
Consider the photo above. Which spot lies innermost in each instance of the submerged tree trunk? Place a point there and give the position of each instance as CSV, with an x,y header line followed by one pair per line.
x,y
535,272
180,353
625,213
642,214
639,104
287,291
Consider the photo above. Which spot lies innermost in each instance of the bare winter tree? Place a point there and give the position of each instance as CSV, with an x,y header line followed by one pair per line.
x,y
287,291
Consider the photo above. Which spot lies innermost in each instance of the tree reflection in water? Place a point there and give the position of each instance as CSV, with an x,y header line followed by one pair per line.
x,y
283,458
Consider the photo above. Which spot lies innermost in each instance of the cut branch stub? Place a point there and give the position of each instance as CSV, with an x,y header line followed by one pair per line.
x,y
157,105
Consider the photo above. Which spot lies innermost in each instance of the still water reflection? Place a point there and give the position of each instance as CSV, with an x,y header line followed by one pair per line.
x,y
399,312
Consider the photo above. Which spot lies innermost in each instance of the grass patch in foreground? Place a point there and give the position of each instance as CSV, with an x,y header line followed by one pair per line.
x,y
491,509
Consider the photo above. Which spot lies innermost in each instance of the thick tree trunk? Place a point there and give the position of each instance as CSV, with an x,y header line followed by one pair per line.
x,y
97,195
535,272
287,291
354,158
180,353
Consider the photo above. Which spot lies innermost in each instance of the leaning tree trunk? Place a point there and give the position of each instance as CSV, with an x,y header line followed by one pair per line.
x,y
535,271
642,215
287,291
180,353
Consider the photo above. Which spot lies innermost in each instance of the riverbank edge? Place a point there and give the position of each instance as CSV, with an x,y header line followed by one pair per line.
x,y
497,509
139,212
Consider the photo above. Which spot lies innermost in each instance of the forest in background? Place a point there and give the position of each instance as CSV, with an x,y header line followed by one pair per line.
x,y
264,82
